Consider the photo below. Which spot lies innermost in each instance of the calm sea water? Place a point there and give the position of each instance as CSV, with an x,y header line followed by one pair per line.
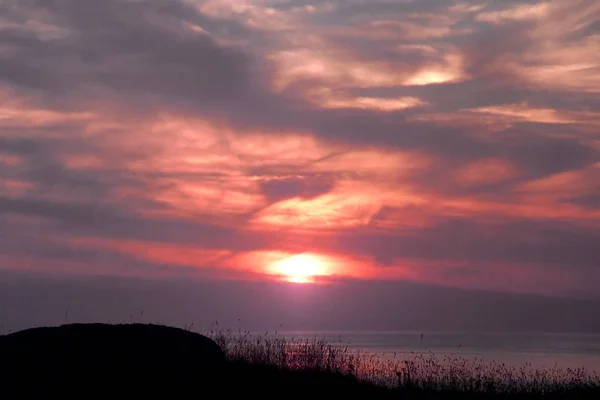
x,y
537,350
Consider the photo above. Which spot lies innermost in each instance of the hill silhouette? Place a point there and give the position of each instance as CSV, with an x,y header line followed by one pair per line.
x,y
141,359
103,355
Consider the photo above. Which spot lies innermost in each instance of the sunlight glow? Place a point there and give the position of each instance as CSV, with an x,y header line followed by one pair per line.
x,y
300,268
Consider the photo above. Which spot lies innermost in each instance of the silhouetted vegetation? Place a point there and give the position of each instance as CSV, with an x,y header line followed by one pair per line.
x,y
143,360
417,373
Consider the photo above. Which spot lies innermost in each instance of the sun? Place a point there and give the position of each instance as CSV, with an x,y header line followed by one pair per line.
x,y
300,268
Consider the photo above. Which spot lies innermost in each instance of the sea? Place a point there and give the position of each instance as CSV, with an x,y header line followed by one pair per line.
x,y
531,350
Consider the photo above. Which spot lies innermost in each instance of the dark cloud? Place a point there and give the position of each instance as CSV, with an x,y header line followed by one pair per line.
x,y
125,47
94,219
42,166
21,146
78,213
533,156
485,240
287,188
590,201
488,52
543,156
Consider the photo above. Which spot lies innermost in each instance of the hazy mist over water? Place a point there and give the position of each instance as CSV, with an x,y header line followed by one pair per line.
x,y
541,350
28,301
374,317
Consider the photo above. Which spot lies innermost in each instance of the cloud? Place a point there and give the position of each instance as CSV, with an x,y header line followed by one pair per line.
x,y
148,52
68,211
440,141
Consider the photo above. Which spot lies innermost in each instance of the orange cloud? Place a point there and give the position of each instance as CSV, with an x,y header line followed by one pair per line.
x,y
204,169
13,187
449,70
217,198
83,161
293,149
253,14
10,160
372,163
566,183
332,67
570,66
349,204
157,252
561,56
521,112
485,172
496,118
295,267
519,12
326,98
21,115
531,206
337,69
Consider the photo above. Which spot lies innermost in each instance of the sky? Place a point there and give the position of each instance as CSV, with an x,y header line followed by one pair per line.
x,y
335,150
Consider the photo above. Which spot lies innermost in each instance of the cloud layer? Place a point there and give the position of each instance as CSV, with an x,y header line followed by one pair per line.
x,y
433,141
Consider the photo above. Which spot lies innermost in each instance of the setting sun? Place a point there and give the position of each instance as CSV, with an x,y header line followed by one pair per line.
x,y
300,268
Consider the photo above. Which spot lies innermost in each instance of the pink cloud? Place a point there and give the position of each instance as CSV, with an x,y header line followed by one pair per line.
x,y
485,171
239,134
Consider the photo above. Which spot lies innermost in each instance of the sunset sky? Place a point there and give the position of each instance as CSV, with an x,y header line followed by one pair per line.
x,y
435,142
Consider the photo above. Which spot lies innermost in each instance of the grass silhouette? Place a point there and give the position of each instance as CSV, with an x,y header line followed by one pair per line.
x,y
154,361
418,374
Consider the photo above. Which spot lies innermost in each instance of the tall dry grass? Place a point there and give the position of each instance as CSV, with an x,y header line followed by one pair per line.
x,y
416,371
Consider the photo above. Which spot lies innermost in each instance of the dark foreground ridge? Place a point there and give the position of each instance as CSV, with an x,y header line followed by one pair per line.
x,y
106,356
85,360
140,359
